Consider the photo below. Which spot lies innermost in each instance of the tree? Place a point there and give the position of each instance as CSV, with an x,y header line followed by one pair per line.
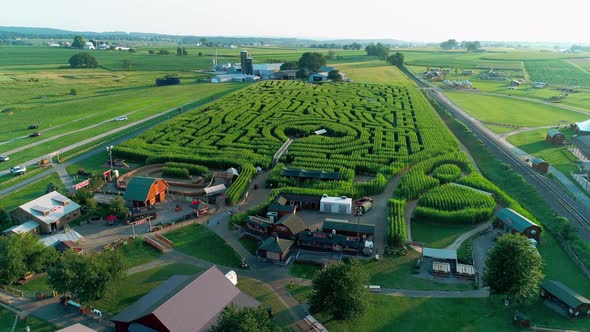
x,y
132,50
472,46
5,219
378,50
331,55
514,268
20,254
73,92
449,44
335,75
83,60
91,205
118,207
127,64
163,52
184,51
244,319
179,50
396,59
289,65
341,291
200,54
302,73
51,187
78,42
86,277
312,61
151,51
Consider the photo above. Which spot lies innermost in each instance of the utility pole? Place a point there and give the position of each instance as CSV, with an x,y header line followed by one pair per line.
x,y
110,150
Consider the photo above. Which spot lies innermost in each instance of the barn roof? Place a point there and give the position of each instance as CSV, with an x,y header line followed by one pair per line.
x,y
552,132
537,161
275,244
185,303
22,228
564,293
293,222
584,126
274,207
514,219
50,207
138,188
345,226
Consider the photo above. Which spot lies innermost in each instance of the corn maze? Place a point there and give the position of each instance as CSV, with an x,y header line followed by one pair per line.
x,y
370,129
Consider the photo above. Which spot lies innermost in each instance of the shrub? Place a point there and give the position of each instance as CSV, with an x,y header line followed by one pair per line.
x,y
176,172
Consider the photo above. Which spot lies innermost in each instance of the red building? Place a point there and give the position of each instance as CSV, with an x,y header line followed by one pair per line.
x,y
288,227
554,137
143,191
540,165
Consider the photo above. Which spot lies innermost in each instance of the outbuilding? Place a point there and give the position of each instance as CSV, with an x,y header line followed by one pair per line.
x,y
29,227
513,222
318,77
288,226
564,300
339,205
144,191
51,212
344,227
275,249
540,165
583,128
554,137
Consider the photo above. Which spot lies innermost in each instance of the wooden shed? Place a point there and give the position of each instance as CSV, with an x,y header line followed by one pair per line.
x,y
554,137
145,191
275,249
564,299
288,226
540,165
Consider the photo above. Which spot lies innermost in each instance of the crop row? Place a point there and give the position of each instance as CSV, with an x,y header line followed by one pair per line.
x,y
557,72
396,225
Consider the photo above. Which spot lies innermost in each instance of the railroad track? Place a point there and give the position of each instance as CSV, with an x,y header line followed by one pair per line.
x,y
551,188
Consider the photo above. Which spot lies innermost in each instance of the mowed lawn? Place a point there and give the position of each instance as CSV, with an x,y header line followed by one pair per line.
x,y
533,142
375,71
198,241
29,192
35,324
269,299
138,284
505,110
137,252
437,235
390,313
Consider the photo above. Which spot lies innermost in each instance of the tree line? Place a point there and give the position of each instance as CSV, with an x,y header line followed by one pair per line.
x,y
452,44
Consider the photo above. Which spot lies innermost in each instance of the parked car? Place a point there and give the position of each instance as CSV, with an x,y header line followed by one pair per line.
x,y
121,118
35,134
18,170
4,158
34,126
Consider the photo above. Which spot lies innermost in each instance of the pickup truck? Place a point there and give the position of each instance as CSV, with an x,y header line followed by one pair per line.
x,y
18,170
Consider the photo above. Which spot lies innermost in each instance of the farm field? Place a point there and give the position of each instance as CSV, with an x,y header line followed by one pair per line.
x,y
494,109
458,59
377,129
376,71
583,63
558,72
435,235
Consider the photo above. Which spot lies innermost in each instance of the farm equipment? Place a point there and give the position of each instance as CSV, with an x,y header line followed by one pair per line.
x,y
118,162
43,163
363,205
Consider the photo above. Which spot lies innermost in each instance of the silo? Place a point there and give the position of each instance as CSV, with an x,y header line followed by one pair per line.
x,y
249,66
243,57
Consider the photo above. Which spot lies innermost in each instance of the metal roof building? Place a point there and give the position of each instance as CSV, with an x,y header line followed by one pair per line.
x,y
514,222
145,191
26,227
583,128
51,211
183,304
575,304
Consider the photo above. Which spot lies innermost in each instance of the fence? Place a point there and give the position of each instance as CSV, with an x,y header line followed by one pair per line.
x,y
574,257
581,179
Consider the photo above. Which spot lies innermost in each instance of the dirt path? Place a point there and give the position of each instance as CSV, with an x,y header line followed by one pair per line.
x,y
458,241
522,130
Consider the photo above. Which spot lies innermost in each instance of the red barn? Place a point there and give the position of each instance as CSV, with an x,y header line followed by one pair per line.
x,y
540,165
144,191
554,137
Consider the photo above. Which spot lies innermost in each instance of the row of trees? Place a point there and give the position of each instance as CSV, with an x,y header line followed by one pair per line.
x,y
452,44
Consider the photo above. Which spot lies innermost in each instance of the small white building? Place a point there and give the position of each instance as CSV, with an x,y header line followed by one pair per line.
x,y
89,46
339,205
318,77
234,78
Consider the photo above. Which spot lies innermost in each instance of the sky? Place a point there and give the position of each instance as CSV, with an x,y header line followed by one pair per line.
x,y
409,20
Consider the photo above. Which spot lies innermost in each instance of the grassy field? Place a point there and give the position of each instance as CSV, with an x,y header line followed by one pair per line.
x,y
300,293
263,293
137,285
511,111
198,241
375,71
557,72
250,245
29,192
390,313
437,235
305,271
35,324
396,272
533,142
137,252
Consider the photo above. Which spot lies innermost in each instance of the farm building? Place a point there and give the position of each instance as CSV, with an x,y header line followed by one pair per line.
x,y
466,72
266,71
540,165
583,144
443,260
234,78
340,205
51,212
554,137
318,77
302,202
329,241
344,227
513,222
30,227
286,75
583,128
257,227
89,46
564,300
281,210
275,249
215,190
54,239
539,85
288,226
144,191
77,328
183,303
63,245
303,174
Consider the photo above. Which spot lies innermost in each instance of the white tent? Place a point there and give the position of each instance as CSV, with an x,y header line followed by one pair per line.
x,y
232,276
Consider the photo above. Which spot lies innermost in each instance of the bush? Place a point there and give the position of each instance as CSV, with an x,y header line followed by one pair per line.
x,y
447,173
176,172
192,169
